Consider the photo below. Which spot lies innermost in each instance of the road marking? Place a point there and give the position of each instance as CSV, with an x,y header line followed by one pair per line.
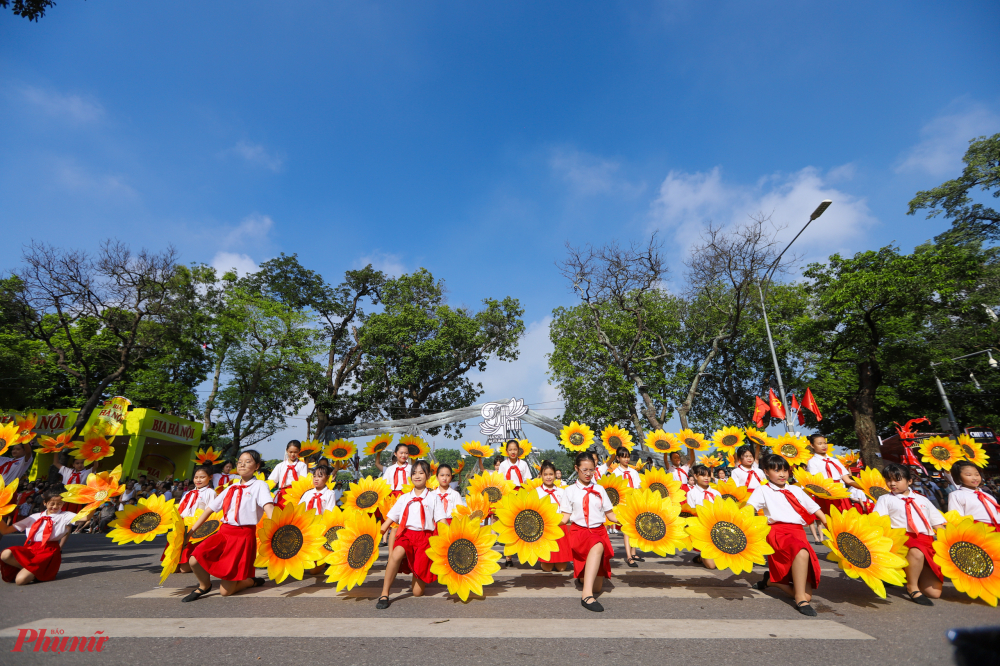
x,y
313,627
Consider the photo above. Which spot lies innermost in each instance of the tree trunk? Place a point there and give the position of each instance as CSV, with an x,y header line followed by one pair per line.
x,y
862,406
210,401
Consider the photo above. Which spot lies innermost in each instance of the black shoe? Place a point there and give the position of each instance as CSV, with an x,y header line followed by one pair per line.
x,y
594,605
510,563
383,603
762,583
696,560
196,594
258,582
638,558
804,608
922,599
631,562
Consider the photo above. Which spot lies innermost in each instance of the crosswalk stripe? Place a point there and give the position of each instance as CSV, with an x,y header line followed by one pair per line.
x,y
313,627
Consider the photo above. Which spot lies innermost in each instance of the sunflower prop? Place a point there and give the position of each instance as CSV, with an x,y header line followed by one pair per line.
x,y
491,484
260,477
819,486
523,449
299,487
10,435
612,437
462,557
693,440
385,506
941,452
207,456
665,484
477,450
873,483
863,550
653,523
93,449
576,437
61,442
207,529
793,449
474,503
532,484
289,542
7,496
98,489
377,445
26,424
757,437
339,450
417,447
366,495
175,545
711,462
973,451
528,526
616,488
729,489
969,554
140,522
727,439
733,537
310,447
849,459
333,521
662,442
353,550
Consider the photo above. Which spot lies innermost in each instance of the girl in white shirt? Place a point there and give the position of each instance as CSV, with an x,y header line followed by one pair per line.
x,y
40,556
449,497
417,513
557,496
633,480
513,468
698,494
588,507
747,473
287,472
17,462
230,553
969,500
679,470
320,498
794,567
920,519
397,475
76,475
222,479
197,498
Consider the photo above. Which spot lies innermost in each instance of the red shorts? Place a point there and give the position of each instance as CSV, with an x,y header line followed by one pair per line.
x,y
40,558
415,543
565,552
825,504
229,554
581,540
788,539
925,544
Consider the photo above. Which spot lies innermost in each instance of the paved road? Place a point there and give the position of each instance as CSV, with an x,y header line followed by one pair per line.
x,y
667,611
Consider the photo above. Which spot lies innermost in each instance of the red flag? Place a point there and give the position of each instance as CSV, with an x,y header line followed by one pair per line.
x,y
777,409
808,402
794,404
760,410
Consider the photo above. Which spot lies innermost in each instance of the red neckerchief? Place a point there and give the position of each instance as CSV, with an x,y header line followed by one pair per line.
x,y
289,470
680,470
910,525
396,485
224,479
597,474
513,468
316,502
751,473
189,498
74,475
828,462
4,468
229,497
796,504
406,513
989,504
708,494
552,495
587,492
628,477
46,524
444,500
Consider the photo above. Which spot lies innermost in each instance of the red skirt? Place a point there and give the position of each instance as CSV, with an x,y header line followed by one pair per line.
x,y
565,552
415,543
229,554
925,544
788,539
40,558
279,499
825,504
72,508
581,540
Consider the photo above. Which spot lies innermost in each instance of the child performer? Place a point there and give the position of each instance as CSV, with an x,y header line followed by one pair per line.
x,y
17,463
588,507
288,471
920,518
794,567
679,470
197,498
229,554
449,497
513,468
698,494
225,476
417,513
747,473
827,466
320,498
557,496
398,475
633,480
77,475
601,469
40,556
969,500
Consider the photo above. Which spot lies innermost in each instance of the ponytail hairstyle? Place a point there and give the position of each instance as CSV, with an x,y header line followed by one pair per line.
x,y
296,443
403,445
775,463
546,464
498,459
49,494
422,464
894,472
202,468
584,455
255,454
813,437
446,466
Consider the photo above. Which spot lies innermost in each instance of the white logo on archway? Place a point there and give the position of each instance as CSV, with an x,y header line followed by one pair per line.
x,y
499,418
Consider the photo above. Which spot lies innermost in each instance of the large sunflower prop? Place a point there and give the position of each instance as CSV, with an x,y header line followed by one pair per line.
x,y
366,495
969,554
93,449
873,483
819,486
491,484
973,451
477,450
299,487
7,496
354,551
612,437
207,529
793,449
10,435
693,440
863,550
665,484
417,447
941,452
532,484
524,448
462,557
475,503
377,445
733,537
386,505
653,523
528,526
616,487
711,462
757,437
141,522
98,489
849,459
333,521
26,424
175,544
289,542
61,442
339,450
310,447
727,439
207,456
662,442
576,437
729,489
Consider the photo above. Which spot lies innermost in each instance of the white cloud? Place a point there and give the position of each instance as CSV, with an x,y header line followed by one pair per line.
x,y
390,264
76,178
945,139
589,175
73,108
223,262
252,229
256,154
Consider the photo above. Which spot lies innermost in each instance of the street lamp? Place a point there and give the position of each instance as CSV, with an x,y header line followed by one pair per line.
x,y
820,209
952,421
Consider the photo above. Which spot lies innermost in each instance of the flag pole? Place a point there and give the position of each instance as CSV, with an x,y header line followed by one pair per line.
x,y
774,357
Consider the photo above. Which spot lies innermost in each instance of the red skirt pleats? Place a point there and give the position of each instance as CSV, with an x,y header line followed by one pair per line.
x,y
40,558
229,554
581,540
788,539
565,552
415,543
925,544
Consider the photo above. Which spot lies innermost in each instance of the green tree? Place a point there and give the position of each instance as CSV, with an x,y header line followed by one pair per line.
x,y
29,9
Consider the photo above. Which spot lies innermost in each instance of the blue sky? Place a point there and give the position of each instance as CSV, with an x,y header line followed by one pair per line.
x,y
476,139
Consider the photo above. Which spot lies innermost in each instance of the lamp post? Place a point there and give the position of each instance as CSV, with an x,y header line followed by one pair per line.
x,y
820,209
952,421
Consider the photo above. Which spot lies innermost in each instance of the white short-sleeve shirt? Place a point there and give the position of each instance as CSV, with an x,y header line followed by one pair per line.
x,y
576,495
195,499
60,524
320,500
776,506
682,473
750,479
251,507
433,511
631,476
894,507
14,468
450,499
601,470
507,470
696,496
966,502
222,479
396,475
558,497
285,473
827,467
70,475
